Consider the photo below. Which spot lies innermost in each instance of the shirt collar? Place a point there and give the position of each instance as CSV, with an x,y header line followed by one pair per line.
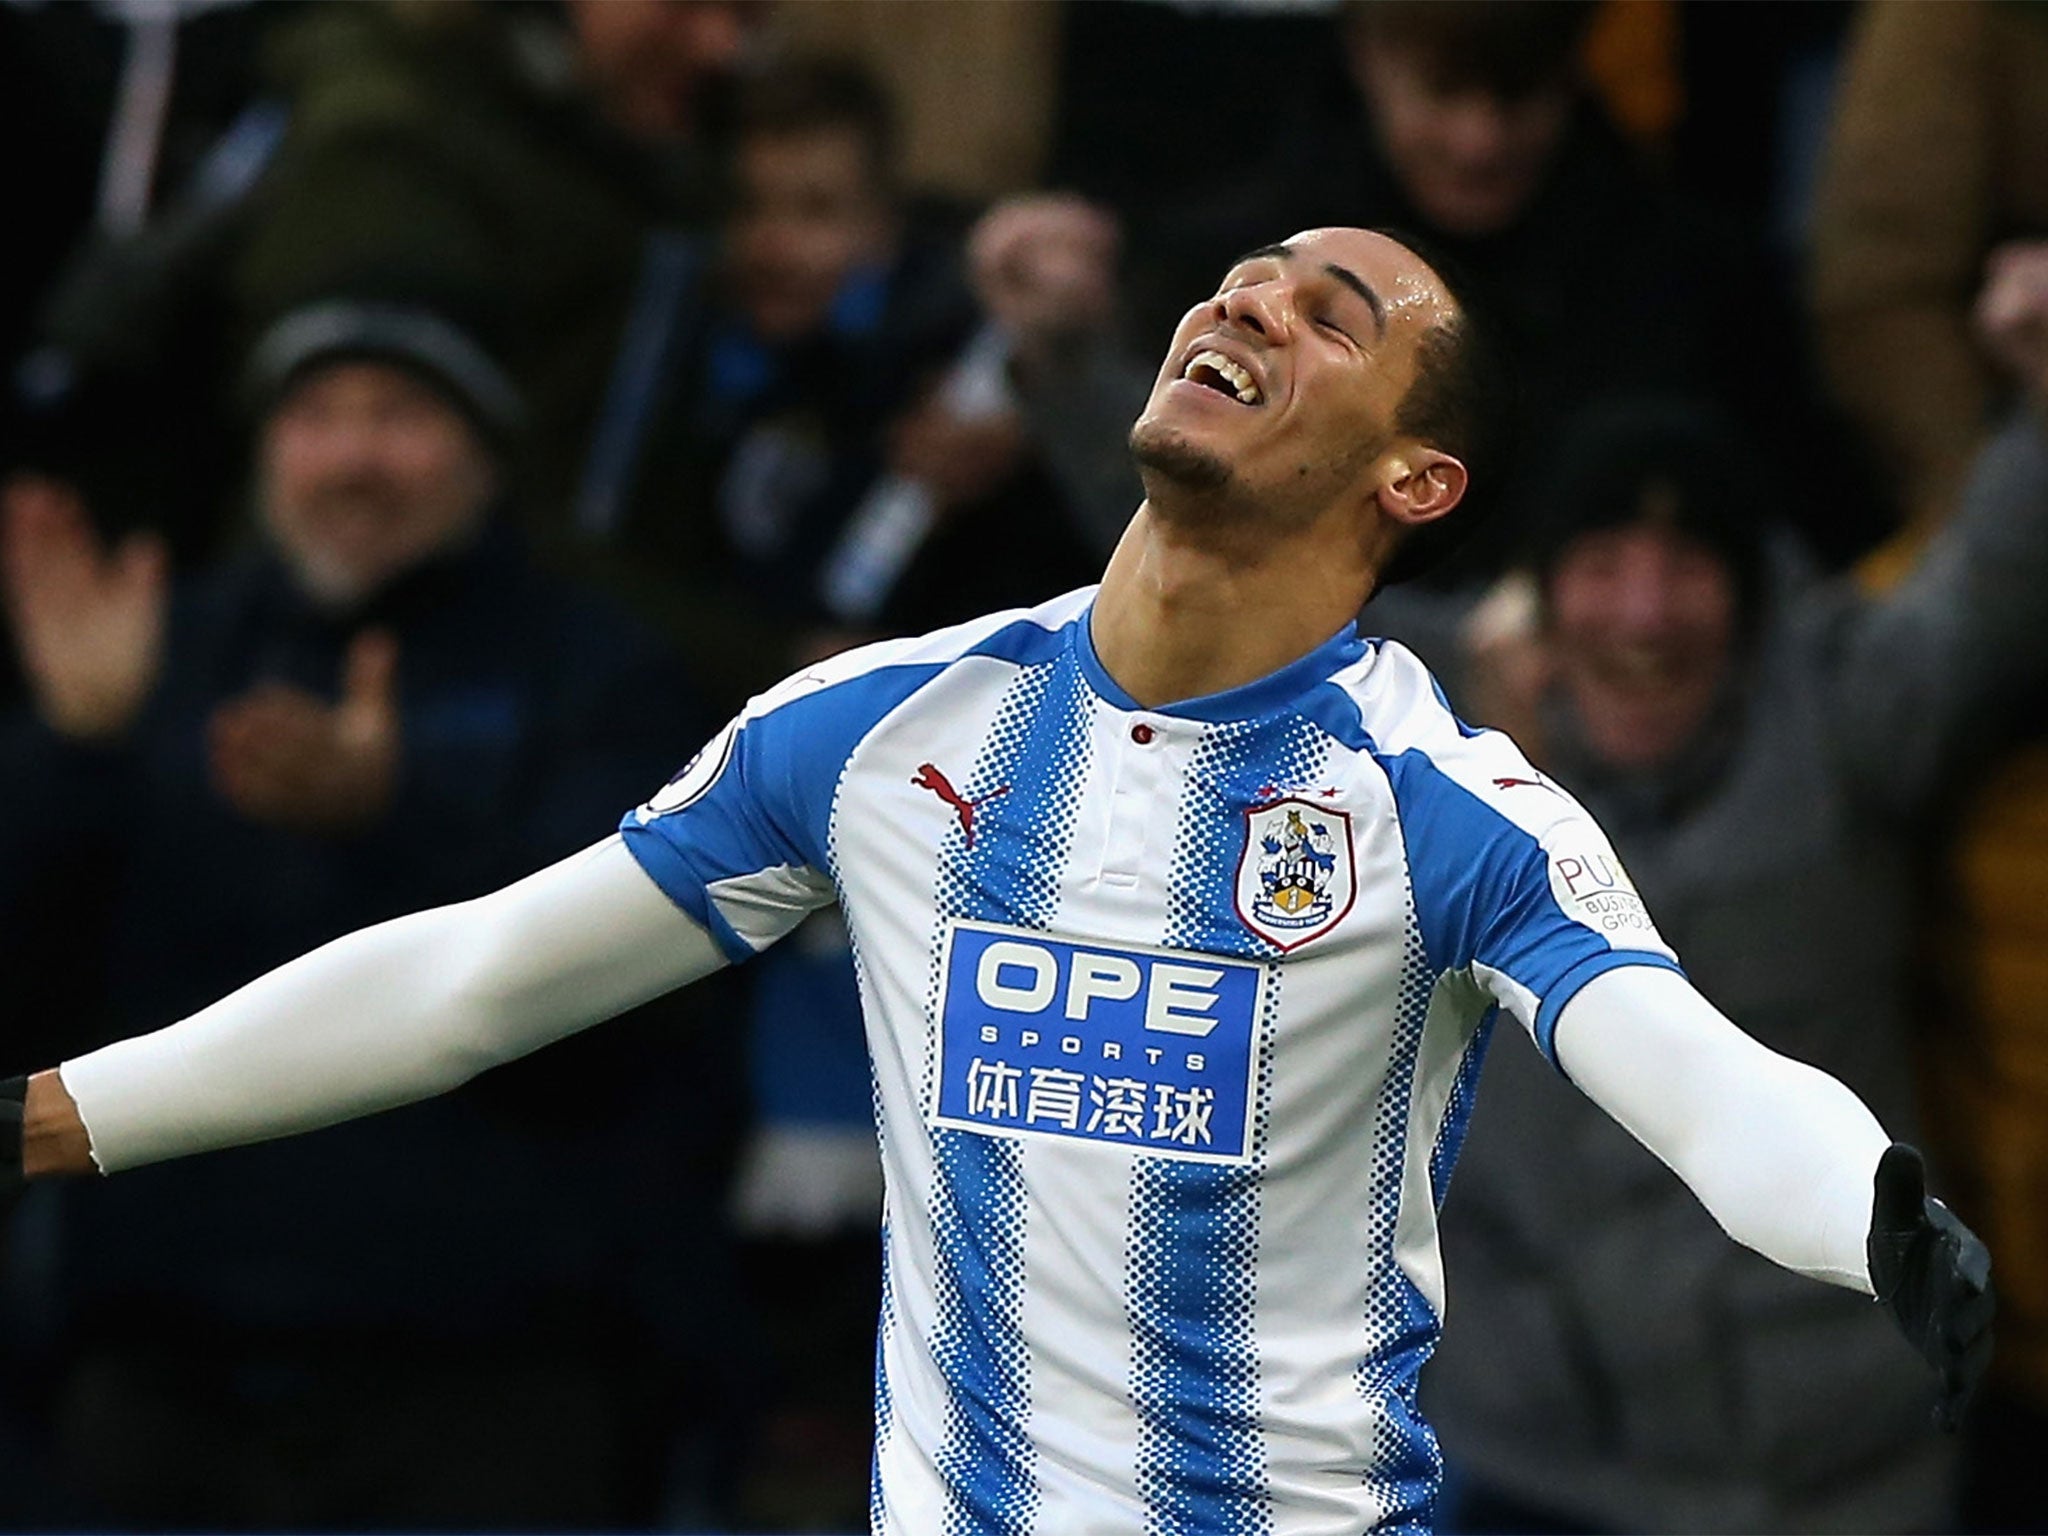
x,y
1248,701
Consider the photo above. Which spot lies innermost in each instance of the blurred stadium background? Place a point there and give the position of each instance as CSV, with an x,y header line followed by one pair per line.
x,y
424,423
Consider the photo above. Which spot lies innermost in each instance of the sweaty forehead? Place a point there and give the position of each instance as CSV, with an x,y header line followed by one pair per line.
x,y
1403,280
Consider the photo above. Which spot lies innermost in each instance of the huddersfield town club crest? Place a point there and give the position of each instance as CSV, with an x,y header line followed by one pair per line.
x,y
1295,878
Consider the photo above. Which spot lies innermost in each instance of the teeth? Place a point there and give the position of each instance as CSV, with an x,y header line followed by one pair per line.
x,y
1229,372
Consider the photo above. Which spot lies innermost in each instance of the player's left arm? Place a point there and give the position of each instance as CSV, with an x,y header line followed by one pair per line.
x,y
1785,1157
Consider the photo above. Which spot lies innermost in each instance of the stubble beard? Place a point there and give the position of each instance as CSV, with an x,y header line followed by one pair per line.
x,y
1168,454
1184,483
1194,488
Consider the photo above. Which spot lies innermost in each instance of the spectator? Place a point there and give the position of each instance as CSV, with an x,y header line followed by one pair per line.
x,y
385,706
1763,760
1936,180
558,165
836,452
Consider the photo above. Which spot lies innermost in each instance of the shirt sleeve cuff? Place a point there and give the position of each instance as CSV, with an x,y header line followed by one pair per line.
x,y
668,869
1566,987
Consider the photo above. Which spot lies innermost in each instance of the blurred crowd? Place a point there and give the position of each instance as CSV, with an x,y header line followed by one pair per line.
x,y
424,421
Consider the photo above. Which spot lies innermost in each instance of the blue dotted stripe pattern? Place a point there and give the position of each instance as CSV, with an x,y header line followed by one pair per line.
x,y
1400,1329
1450,1136
1191,1257
1036,755
885,1402
885,1323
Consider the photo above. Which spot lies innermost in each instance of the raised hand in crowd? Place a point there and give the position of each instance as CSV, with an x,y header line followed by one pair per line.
x,y
1044,266
960,459
2012,310
288,758
89,621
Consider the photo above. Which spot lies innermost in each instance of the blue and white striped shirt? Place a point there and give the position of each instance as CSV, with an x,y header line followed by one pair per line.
x,y
1174,1017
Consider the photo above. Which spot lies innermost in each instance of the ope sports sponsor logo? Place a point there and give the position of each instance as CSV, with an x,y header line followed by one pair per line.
x,y
1150,1049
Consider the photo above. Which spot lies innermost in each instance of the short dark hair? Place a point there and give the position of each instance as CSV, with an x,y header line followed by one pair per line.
x,y
1461,403
812,92
1508,48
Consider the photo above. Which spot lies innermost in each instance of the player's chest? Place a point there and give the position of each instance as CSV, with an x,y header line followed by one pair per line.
x,y
1261,846
1128,930
1262,842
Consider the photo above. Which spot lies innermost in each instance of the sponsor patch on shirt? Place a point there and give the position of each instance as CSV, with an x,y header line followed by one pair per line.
x,y
1592,888
1150,1049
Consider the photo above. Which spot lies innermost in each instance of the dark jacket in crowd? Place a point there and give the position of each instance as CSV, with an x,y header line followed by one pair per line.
x,y
571,1191
458,144
1610,1356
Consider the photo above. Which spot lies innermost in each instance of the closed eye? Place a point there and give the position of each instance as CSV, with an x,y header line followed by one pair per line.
x,y
1330,325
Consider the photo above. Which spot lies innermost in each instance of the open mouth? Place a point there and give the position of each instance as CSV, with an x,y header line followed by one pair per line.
x,y
1212,370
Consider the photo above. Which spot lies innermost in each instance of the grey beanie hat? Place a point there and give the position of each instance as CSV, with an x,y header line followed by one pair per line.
x,y
413,338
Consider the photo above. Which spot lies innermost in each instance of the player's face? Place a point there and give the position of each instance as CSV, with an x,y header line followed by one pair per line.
x,y
1278,396
367,472
1642,630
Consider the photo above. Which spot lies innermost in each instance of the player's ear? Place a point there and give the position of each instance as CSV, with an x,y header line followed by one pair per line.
x,y
1419,485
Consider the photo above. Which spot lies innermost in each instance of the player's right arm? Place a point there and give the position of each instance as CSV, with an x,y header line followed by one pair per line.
x,y
729,856
376,1019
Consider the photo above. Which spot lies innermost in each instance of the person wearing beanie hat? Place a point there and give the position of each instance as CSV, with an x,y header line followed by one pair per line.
x,y
382,704
383,431
411,337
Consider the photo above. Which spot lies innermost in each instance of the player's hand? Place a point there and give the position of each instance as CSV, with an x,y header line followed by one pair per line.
x,y
1934,1275
288,758
1044,267
89,622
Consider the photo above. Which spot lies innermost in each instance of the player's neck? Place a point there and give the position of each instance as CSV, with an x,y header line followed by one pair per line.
x,y
1179,617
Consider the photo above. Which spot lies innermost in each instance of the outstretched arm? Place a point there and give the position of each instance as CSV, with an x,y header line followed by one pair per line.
x,y
379,1018
1785,1158
1780,1153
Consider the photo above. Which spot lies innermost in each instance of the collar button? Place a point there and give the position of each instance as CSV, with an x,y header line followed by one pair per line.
x,y
1142,733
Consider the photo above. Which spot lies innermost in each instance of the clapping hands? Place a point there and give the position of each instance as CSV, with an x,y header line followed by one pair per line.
x,y
90,624
288,758
89,621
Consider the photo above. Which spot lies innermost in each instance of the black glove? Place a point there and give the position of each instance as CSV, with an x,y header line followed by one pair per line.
x,y
1935,1276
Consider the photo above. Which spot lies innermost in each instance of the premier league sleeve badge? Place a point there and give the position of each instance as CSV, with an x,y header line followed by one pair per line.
x,y
1296,878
